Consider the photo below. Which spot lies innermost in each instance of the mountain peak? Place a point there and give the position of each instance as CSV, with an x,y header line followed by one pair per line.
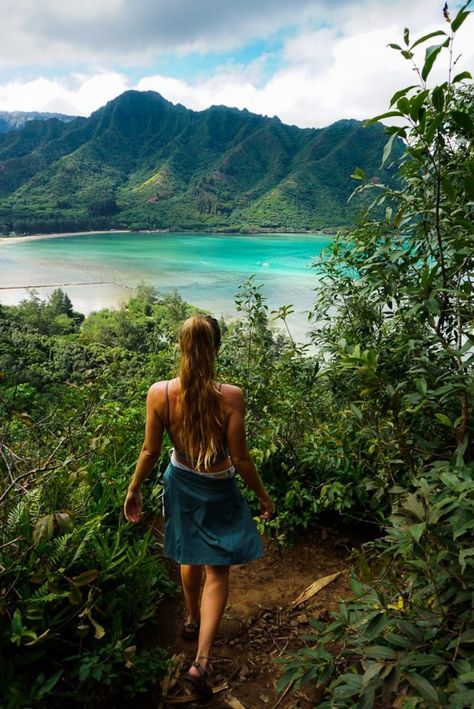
x,y
143,162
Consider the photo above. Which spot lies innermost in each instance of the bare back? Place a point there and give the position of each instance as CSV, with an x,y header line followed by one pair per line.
x,y
164,398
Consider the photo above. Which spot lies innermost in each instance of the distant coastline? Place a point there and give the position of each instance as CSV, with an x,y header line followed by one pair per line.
x,y
34,237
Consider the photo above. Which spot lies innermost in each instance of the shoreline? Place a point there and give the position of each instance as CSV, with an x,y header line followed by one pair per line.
x,y
325,231
37,237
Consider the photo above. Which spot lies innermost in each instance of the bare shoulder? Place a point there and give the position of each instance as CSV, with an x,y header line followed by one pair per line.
x,y
233,395
156,392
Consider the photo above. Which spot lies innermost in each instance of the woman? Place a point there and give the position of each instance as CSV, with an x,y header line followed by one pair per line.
x,y
207,521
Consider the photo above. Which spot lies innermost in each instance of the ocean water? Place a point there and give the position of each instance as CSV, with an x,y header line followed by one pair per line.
x,y
101,270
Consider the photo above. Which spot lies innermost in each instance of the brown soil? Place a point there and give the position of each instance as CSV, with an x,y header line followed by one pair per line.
x,y
261,625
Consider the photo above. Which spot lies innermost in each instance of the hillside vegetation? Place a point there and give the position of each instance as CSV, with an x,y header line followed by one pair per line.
x,y
141,162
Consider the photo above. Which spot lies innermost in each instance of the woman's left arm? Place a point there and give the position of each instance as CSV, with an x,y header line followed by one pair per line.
x,y
149,454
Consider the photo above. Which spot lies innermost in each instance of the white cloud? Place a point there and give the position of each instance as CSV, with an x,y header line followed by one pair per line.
x,y
341,70
328,76
48,31
45,32
79,95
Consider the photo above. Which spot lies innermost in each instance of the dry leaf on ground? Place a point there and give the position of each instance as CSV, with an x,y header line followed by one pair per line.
x,y
314,588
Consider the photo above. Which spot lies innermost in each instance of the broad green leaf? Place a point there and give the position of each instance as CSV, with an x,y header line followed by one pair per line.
x,y
75,596
373,669
350,684
416,531
437,98
464,557
388,114
85,578
421,385
463,120
37,578
467,638
463,75
432,127
410,630
376,626
419,659
433,306
398,94
463,522
47,686
416,104
459,19
398,217
460,451
398,641
380,652
450,480
403,105
359,174
445,420
17,625
44,528
424,688
431,54
426,37
394,46
448,188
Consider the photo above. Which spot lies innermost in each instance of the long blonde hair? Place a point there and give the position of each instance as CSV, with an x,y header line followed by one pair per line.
x,y
199,402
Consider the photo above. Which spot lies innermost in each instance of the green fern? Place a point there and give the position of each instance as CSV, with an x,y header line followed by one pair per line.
x,y
94,526
20,514
78,501
33,500
57,549
49,597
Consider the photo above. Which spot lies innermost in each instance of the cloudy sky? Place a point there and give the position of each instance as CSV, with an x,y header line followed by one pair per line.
x,y
310,62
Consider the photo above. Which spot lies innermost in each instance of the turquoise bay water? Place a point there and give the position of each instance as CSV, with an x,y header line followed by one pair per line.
x,y
101,270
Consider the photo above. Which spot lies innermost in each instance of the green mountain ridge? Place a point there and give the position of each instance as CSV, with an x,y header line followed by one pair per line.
x,y
14,120
141,162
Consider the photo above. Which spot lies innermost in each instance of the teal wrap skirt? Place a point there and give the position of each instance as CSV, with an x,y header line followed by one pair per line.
x,y
207,521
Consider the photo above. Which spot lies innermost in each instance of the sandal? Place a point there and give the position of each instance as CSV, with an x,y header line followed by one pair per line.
x,y
201,682
190,631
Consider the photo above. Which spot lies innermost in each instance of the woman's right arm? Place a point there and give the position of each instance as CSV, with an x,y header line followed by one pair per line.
x,y
239,453
149,454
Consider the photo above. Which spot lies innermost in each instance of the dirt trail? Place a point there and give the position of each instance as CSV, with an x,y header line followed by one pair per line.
x,y
259,624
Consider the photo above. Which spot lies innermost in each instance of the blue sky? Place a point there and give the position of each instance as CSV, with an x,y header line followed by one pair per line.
x,y
310,62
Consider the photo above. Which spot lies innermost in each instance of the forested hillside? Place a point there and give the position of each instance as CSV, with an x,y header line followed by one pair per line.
x,y
375,426
141,162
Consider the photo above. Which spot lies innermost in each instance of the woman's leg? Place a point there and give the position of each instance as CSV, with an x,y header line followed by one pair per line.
x,y
213,602
191,575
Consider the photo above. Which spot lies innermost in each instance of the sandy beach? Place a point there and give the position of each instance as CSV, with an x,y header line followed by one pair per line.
x,y
36,237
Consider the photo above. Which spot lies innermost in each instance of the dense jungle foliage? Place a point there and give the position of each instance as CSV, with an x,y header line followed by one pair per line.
x,y
374,424
402,344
